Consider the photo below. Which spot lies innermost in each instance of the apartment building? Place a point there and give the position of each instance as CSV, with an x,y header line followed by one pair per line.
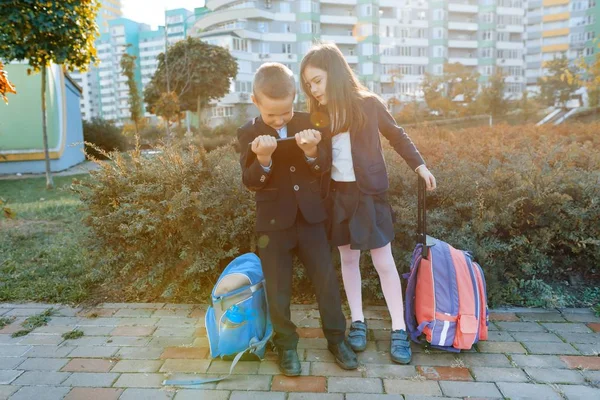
x,y
559,27
390,44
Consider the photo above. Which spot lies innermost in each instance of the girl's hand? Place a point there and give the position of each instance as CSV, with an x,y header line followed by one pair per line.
x,y
424,173
308,140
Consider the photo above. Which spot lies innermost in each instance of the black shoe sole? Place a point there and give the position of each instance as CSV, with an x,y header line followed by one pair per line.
x,y
290,373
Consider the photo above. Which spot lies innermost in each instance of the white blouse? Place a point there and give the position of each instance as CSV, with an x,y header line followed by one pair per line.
x,y
342,169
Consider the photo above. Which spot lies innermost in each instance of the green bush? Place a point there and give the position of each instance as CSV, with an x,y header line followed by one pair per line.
x,y
104,135
165,226
523,199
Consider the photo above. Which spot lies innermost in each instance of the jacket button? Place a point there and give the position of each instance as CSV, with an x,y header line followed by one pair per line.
x,y
296,188
293,169
317,167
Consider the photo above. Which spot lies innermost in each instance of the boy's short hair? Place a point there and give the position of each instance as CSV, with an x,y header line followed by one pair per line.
x,y
275,81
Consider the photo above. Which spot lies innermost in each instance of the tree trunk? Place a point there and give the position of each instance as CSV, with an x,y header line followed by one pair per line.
x,y
199,110
49,181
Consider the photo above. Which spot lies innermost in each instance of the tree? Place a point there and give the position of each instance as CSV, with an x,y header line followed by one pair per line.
x,y
461,80
135,101
589,76
433,92
527,107
492,98
47,32
167,107
5,85
559,81
197,72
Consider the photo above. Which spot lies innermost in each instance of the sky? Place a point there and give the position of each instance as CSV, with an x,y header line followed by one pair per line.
x,y
152,12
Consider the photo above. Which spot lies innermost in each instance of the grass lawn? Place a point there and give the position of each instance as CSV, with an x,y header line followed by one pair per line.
x,y
41,257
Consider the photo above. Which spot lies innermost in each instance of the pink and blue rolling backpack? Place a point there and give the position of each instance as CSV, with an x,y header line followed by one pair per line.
x,y
446,299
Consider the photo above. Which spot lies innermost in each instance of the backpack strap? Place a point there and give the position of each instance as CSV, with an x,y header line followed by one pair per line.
x,y
223,303
409,309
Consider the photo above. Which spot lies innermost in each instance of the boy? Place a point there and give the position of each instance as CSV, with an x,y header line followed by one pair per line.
x,y
290,213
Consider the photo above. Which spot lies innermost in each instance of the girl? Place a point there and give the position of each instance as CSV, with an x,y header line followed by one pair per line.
x,y
361,216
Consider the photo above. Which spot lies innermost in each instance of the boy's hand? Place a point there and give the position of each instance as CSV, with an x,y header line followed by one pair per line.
x,y
424,173
264,146
308,140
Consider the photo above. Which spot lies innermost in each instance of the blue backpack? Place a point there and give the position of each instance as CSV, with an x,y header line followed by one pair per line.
x,y
238,321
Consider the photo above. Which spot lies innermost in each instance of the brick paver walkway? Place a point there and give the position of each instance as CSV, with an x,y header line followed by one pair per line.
x,y
128,350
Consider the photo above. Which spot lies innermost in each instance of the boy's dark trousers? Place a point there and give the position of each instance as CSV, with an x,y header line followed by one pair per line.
x,y
309,243
290,220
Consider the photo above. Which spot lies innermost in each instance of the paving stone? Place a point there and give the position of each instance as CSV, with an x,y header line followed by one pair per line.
x,y
94,393
582,318
389,371
147,394
426,388
521,326
13,327
54,329
171,341
7,390
593,377
536,337
140,380
247,382
10,362
138,312
595,326
41,378
191,366
323,396
579,392
442,360
554,348
137,366
445,373
537,361
469,389
543,317
140,353
88,365
93,351
551,375
490,374
102,321
179,322
516,391
500,336
417,397
310,333
500,347
588,349
133,321
87,341
203,388
64,321
175,332
354,385
485,360
92,313
242,367
319,355
6,339
313,384
155,306
506,317
201,342
43,364
332,369
133,331
370,396
372,357
7,376
272,368
173,313
257,396
196,394
91,379
25,312
37,340
583,362
185,352
40,392
126,341
589,338
568,328
50,351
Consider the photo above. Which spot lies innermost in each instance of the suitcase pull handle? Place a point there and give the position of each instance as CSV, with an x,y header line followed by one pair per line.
x,y
422,217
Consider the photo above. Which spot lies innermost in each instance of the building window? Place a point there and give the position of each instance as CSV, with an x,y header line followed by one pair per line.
x,y
286,48
222,112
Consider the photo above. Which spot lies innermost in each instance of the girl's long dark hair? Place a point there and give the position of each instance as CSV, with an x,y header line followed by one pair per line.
x,y
344,91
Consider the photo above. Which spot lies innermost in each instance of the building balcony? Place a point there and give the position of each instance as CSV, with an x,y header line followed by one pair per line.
x,y
351,59
339,39
469,61
510,28
510,45
341,2
463,26
463,8
462,44
510,62
232,15
338,20
404,60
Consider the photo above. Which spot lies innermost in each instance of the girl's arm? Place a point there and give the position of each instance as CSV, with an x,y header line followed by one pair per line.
x,y
398,139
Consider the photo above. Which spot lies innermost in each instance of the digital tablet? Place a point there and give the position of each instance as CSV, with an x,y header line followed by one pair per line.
x,y
285,144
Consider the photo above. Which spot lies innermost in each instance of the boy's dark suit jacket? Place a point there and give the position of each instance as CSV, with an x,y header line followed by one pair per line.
x,y
291,184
